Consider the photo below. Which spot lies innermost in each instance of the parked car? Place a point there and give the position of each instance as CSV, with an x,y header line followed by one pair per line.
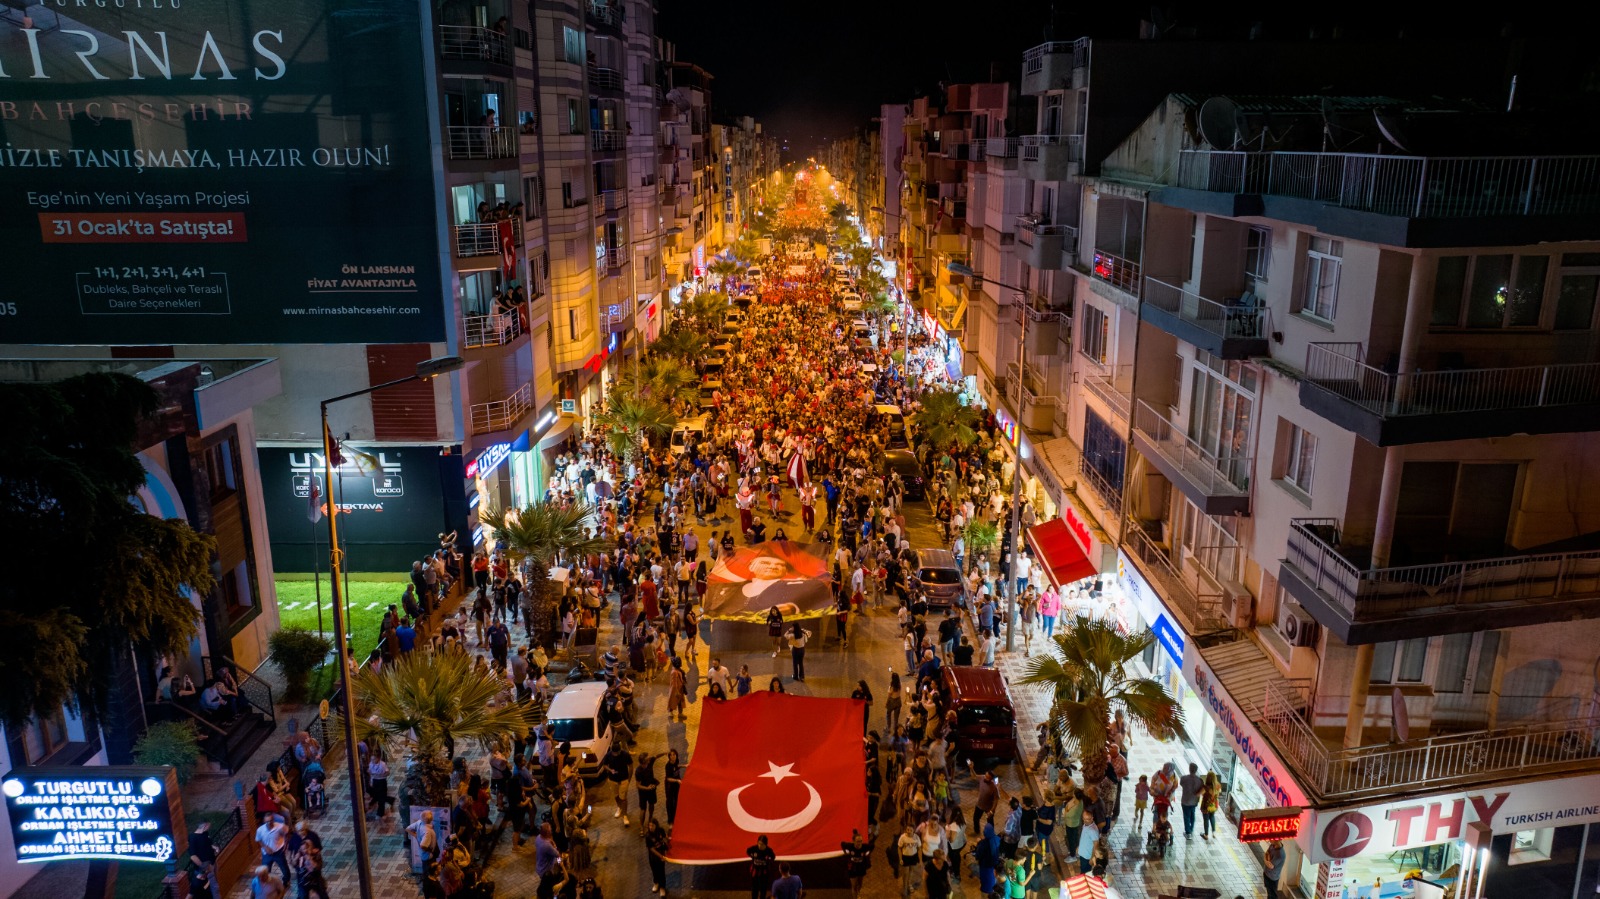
x,y
897,425
986,721
905,464
687,431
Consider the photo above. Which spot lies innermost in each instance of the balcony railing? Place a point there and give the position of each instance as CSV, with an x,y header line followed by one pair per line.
x,y
1033,58
1382,593
602,78
617,316
1002,147
474,42
615,257
1222,319
501,414
613,199
607,139
1485,756
481,239
605,14
1110,494
490,330
1033,146
1413,186
1123,274
1029,231
478,142
1196,595
1338,368
1106,387
1214,475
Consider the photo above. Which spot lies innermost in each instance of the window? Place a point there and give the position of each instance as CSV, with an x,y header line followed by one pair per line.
x,y
1104,452
572,45
1320,294
1299,458
1096,333
1221,410
1210,542
574,116
1575,299
1491,291
237,598
532,198
1531,846
41,739
1401,662
220,469
1257,253
572,323
1466,663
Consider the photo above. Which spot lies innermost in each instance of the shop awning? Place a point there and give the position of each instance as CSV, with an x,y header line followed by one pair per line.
x,y
558,430
1058,553
1084,886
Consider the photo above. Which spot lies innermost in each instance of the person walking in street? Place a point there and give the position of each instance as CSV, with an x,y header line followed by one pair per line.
x,y
656,844
266,885
761,861
788,885
677,691
618,767
775,629
909,850
378,783
1210,798
798,638
857,862
1191,785
272,838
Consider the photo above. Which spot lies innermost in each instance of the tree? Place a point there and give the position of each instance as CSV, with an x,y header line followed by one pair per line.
x,y
428,701
722,270
628,420
708,309
864,259
945,420
66,474
1085,667
680,343
538,537
660,379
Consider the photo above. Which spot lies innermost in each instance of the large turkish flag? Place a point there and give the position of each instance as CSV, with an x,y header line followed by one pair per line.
x,y
790,767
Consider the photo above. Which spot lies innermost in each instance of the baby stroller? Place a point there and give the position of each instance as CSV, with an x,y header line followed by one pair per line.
x,y
316,793
1160,838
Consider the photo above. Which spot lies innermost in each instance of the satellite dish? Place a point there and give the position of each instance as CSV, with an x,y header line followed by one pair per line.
x,y
1389,127
1219,123
1402,717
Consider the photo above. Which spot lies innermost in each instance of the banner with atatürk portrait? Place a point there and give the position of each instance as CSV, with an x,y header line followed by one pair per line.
x,y
779,573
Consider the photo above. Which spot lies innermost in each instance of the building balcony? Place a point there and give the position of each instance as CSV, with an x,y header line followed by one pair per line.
x,y
1218,485
479,331
614,259
1334,775
1051,157
617,317
1426,406
606,15
613,200
1236,330
481,240
1044,246
1401,200
1191,591
1053,65
1114,388
498,415
1123,274
607,140
477,142
1367,605
474,43
604,80
1002,153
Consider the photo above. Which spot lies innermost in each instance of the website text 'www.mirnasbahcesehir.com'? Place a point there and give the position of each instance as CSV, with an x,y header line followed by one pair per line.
x,y
352,310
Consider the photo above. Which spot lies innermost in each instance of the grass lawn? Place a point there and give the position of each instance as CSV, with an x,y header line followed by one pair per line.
x,y
370,595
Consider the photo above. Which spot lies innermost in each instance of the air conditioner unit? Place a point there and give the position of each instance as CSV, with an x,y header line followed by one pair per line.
x,y
1296,626
1238,606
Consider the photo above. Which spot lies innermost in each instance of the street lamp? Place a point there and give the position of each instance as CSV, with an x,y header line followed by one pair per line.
x,y
427,370
1010,586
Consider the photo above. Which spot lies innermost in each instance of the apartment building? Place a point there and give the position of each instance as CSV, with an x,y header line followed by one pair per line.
x,y
687,165
1316,414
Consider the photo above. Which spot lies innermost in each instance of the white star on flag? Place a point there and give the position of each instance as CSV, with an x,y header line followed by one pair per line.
x,y
779,772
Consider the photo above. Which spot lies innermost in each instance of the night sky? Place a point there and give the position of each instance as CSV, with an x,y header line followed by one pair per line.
x,y
820,69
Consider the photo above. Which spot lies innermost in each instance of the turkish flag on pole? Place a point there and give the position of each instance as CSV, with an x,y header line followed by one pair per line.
x,y
790,767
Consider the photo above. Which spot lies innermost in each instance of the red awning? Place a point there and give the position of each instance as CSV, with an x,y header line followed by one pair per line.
x,y
1084,886
1058,553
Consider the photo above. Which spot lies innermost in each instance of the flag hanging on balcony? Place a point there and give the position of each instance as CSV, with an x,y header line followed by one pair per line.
x,y
508,248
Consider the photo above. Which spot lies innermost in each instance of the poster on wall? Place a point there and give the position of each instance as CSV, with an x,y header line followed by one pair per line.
x,y
388,518
241,172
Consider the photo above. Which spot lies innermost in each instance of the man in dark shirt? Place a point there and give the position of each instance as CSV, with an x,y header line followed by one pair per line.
x,y
857,861
761,859
964,651
203,853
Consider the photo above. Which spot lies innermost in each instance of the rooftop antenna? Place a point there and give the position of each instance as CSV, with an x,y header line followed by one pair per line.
x,y
1221,124
1389,127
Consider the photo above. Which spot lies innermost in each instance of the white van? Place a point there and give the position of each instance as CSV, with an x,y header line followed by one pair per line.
x,y
897,424
693,427
851,301
753,273
576,716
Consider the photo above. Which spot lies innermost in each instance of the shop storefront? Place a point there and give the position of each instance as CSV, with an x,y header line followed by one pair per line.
x,y
1534,840
505,475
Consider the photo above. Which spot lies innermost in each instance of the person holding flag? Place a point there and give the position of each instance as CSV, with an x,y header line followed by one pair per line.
x,y
808,505
746,501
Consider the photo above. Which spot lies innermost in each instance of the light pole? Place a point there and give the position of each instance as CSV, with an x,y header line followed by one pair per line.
x,y
1010,587
426,370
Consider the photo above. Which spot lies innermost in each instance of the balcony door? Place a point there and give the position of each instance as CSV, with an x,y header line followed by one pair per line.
x,y
1453,510
1221,414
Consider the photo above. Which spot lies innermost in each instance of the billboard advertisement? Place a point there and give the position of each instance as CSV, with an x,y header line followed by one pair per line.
x,y
120,813
388,518
242,172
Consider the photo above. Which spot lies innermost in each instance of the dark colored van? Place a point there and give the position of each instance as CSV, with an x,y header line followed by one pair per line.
x,y
905,462
938,579
986,722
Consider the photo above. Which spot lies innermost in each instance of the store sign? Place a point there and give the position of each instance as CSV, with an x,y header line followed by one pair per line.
x,y
1381,829
1253,751
1263,825
1167,632
1082,533
92,812
1007,426
1330,880
495,455
251,171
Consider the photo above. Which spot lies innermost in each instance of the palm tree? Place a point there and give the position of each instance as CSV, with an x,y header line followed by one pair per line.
x,y
863,258
946,420
708,309
1086,669
540,536
680,343
628,420
723,269
426,702
659,378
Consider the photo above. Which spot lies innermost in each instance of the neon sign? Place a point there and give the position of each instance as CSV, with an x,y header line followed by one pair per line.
x,y
121,813
1266,824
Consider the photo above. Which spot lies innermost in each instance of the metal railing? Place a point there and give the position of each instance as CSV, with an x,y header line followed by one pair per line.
x,y
1123,274
498,415
1033,146
1033,57
1339,368
1476,756
1215,476
479,239
1002,147
479,142
1110,494
490,330
617,316
1105,386
615,257
1381,593
605,14
602,78
474,42
1028,230
1414,186
613,199
607,138
1221,319
1195,595
223,835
